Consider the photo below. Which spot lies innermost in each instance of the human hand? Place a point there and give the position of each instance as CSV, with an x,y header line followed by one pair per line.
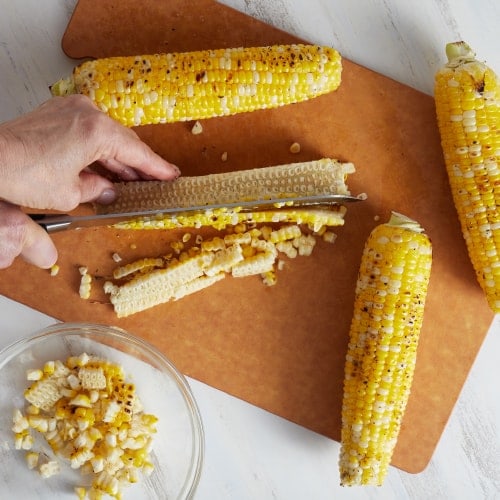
x,y
44,159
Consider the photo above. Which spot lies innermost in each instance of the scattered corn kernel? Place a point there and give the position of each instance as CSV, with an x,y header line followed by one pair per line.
x,y
295,148
197,128
54,270
116,257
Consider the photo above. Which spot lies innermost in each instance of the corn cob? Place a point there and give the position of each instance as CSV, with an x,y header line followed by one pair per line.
x,y
325,176
467,94
388,312
161,88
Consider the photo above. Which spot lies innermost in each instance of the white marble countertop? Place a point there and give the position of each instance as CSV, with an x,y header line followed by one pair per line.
x,y
251,454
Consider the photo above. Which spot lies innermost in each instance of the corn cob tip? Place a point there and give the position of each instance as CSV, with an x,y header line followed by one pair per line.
x,y
63,87
405,222
459,50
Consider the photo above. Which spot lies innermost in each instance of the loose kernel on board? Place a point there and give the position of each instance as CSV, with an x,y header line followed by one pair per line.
x,y
54,270
116,257
295,148
197,128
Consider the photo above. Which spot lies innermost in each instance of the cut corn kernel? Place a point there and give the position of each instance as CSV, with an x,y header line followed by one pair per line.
x,y
467,95
160,88
54,270
388,311
79,426
197,128
254,252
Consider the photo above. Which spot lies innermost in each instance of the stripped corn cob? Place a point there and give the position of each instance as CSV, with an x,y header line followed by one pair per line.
x,y
388,312
321,177
467,95
160,88
325,176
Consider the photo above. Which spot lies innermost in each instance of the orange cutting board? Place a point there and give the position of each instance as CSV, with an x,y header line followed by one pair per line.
x,y
282,348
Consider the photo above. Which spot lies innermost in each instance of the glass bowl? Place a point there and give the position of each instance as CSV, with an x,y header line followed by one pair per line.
x,y
178,445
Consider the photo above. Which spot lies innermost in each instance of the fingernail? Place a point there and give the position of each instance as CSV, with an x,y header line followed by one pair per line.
x,y
107,196
176,169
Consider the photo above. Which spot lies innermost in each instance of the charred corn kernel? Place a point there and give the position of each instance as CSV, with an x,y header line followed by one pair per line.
x,y
160,88
388,311
324,176
467,95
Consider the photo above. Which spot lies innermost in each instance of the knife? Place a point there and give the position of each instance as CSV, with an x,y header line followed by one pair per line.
x,y
58,222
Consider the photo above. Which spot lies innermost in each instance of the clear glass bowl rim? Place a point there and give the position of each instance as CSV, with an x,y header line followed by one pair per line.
x,y
106,331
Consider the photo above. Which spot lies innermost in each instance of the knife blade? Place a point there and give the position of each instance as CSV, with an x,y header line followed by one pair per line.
x,y
58,222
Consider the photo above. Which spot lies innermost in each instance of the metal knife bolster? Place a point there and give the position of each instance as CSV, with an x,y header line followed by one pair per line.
x,y
55,223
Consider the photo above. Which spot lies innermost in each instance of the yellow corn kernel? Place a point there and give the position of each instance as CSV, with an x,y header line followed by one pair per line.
x,y
32,459
161,88
467,95
85,283
388,311
81,492
139,265
54,270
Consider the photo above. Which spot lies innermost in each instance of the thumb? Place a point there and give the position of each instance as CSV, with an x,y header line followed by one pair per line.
x,y
38,247
94,187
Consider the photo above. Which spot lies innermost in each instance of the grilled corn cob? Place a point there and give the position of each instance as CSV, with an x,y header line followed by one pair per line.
x,y
467,94
388,312
161,88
